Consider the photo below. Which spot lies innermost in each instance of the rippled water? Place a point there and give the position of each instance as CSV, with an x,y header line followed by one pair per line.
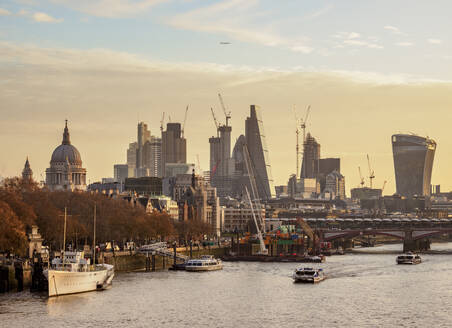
x,y
362,290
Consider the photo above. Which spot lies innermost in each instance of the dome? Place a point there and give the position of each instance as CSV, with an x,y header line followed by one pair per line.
x,y
66,150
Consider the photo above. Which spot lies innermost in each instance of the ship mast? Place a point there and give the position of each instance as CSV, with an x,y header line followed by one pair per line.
x,y
64,238
94,238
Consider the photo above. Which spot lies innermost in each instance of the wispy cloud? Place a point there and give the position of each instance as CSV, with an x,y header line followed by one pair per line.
x,y
435,41
355,39
4,12
45,18
232,18
404,44
393,29
110,8
319,12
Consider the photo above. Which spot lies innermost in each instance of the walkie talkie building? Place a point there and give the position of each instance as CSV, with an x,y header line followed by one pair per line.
x,y
413,162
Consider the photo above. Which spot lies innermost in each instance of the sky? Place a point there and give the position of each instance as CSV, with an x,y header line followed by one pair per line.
x,y
367,69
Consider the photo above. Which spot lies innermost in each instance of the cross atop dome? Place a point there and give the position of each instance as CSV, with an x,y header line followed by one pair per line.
x,y
66,138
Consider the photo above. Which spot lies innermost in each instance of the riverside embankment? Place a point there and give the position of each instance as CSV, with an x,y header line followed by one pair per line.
x,y
126,261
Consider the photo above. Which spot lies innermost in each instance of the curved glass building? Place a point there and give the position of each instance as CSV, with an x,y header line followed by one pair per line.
x,y
413,162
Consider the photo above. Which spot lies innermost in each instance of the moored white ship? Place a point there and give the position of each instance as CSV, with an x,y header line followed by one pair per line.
x,y
76,275
205,263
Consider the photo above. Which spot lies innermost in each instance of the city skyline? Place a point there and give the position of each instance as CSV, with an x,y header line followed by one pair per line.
x,y
361,93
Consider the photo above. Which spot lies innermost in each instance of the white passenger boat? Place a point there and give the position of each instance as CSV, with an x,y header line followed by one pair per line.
x,y
205,263
309,275
75,275
409,258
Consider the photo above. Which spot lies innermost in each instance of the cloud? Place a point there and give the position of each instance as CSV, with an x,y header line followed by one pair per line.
x,y
362,43
404,44
393,29
45,18
233,19
4,12
435,41
319,12
110,8
354,35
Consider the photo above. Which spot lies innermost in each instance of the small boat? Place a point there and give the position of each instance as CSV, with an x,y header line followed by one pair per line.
x,y
205,263
409,258
75,275
309,275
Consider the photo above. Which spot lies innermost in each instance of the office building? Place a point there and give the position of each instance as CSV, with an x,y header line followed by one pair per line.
x,y
413,163
257,147
174,145
311,158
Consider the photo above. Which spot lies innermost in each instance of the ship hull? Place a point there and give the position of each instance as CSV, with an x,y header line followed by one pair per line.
x,y
65,282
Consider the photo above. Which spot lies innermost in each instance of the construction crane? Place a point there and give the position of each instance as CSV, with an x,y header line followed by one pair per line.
x,y
303,128
199,165
371,172
361,177
297,147
383,188
162,121
183,124
215,120
259,221
226,114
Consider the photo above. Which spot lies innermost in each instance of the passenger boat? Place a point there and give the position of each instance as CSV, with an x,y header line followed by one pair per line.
x,y
75,275
409,258
308,275
205,263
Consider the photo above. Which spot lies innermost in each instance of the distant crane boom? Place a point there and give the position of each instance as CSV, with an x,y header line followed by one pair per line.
x,y
371,172
214,119
383,188
361,177
162,122
226,113
303,128
183,124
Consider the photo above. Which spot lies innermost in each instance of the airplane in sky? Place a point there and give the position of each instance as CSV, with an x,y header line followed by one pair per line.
x,y
224,42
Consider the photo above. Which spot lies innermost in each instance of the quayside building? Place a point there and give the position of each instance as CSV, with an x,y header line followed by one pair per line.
x,y
413,163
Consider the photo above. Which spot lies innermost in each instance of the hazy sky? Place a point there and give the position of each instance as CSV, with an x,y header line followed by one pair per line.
x,y
368,69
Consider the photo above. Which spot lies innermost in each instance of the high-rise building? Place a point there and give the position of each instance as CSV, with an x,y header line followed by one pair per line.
x,y
132,158
326,166
257,147
413,163
220,161
152,152
120,172
335,185
311,157
174,145
143,137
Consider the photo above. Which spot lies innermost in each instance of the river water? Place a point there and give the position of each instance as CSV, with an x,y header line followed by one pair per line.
x,y
362,290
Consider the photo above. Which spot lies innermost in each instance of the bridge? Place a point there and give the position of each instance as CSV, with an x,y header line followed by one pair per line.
x,y
411,231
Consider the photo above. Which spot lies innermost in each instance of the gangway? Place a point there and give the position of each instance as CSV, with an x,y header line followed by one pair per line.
x,y
162,249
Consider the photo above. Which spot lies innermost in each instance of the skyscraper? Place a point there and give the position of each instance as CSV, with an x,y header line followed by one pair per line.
x,y
174,145
311,157
413,163
132,159
220,161
257,147
143,136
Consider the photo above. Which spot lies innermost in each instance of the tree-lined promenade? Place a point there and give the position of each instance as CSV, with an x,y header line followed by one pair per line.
x,y
23,204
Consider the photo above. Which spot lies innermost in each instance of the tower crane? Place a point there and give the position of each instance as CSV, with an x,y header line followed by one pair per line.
x,y
162,121
371,172
226,114
303,128
383,188
214,119
297,147
361,177
183,124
